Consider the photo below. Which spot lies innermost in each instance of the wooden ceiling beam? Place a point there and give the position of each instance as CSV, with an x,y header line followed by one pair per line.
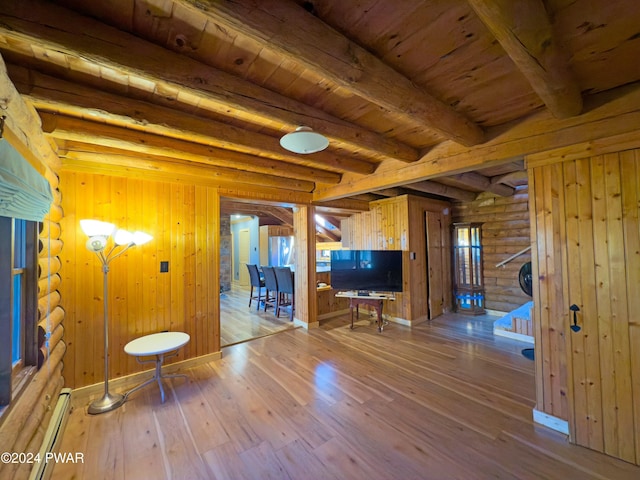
x,y
334,212
607,114
391,192
240,208
175,169
327,233
342,205
333,221
475,180
367,197
516,178
434,188
53,95
193,176
76,40
298,36
525,32
264,195
281,213
69,128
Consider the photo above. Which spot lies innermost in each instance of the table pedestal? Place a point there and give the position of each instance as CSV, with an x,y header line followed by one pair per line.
x,y
156,345
158,376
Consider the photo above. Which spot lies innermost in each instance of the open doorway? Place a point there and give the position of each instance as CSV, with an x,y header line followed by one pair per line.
x,y
241,222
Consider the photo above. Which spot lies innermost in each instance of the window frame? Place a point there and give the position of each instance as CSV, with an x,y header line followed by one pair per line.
x,y
468,275
14,378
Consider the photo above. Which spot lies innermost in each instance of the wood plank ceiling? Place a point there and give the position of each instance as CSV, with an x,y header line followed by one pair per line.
x,y
202,90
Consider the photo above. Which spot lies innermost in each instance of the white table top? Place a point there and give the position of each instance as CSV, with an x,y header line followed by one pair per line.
x,y
156,343
372,295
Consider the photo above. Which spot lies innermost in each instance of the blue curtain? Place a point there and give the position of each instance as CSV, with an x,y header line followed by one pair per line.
x,y
24,193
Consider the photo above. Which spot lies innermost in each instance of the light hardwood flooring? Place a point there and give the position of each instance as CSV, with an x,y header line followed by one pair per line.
x,y
443,400
239,323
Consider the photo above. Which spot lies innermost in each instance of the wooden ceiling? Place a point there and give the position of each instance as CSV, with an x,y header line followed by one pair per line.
x,y
202,90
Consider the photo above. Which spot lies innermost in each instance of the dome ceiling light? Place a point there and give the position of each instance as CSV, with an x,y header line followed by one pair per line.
x,y
304,140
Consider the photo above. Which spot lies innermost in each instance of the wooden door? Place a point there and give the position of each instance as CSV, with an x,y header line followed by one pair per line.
x,y
244,245
434,264
603,252
588,251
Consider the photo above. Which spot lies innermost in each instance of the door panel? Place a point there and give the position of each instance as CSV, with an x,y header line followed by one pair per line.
x,y
598,238
434,264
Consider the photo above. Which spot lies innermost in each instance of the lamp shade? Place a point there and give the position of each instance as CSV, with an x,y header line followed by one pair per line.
x,y
140,238
123,237
93,228
304,140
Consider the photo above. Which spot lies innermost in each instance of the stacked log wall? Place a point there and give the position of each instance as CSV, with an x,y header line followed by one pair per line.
x,y
505,232
28,419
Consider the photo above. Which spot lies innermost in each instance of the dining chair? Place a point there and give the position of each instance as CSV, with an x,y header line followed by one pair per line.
x,y
256,282
284,275
271,284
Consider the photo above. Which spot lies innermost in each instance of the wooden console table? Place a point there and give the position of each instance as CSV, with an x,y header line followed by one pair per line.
x,y
375,300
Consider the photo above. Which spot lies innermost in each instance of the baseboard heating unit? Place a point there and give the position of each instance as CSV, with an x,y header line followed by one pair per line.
x,y
42,470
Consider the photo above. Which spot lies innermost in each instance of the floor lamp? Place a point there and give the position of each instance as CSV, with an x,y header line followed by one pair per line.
x,y
99,233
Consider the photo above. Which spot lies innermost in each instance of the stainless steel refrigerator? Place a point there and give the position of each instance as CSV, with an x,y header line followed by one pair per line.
x,y
281,251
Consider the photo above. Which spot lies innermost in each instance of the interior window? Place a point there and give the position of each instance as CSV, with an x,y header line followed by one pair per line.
x,y
18,305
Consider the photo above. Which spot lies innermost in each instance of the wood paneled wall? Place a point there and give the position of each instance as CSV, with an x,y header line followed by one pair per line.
x,y
399,223
505,231
586,233
184,221
306,306
24,428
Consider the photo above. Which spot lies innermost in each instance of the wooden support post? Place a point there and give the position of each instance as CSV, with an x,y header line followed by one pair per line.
x,y
304,224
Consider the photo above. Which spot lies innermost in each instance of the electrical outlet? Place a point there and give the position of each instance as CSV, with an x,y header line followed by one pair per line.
x,y
164,267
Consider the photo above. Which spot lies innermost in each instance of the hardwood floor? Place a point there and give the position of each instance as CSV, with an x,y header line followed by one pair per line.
x,y
239,323
444,400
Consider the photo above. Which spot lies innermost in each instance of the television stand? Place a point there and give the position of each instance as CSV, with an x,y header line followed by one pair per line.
x,y
374,300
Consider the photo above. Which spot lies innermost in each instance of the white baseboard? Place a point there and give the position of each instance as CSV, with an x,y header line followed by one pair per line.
x,y
495,313
554,423
516,336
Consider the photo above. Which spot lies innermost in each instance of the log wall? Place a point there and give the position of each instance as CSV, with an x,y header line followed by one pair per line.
x,y
24,428
505,231
183,220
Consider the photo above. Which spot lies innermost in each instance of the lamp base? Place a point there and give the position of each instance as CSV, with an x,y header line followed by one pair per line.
x,y
107,403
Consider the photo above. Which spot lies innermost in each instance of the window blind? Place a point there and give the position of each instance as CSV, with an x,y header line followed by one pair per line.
x,y
24,193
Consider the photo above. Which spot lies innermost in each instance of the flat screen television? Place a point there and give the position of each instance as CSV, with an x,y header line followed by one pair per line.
x,y
367,270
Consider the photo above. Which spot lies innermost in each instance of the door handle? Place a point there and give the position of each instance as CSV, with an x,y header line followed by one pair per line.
x,y
575,327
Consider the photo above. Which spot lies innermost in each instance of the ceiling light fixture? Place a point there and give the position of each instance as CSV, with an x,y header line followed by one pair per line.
x,y
304,140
